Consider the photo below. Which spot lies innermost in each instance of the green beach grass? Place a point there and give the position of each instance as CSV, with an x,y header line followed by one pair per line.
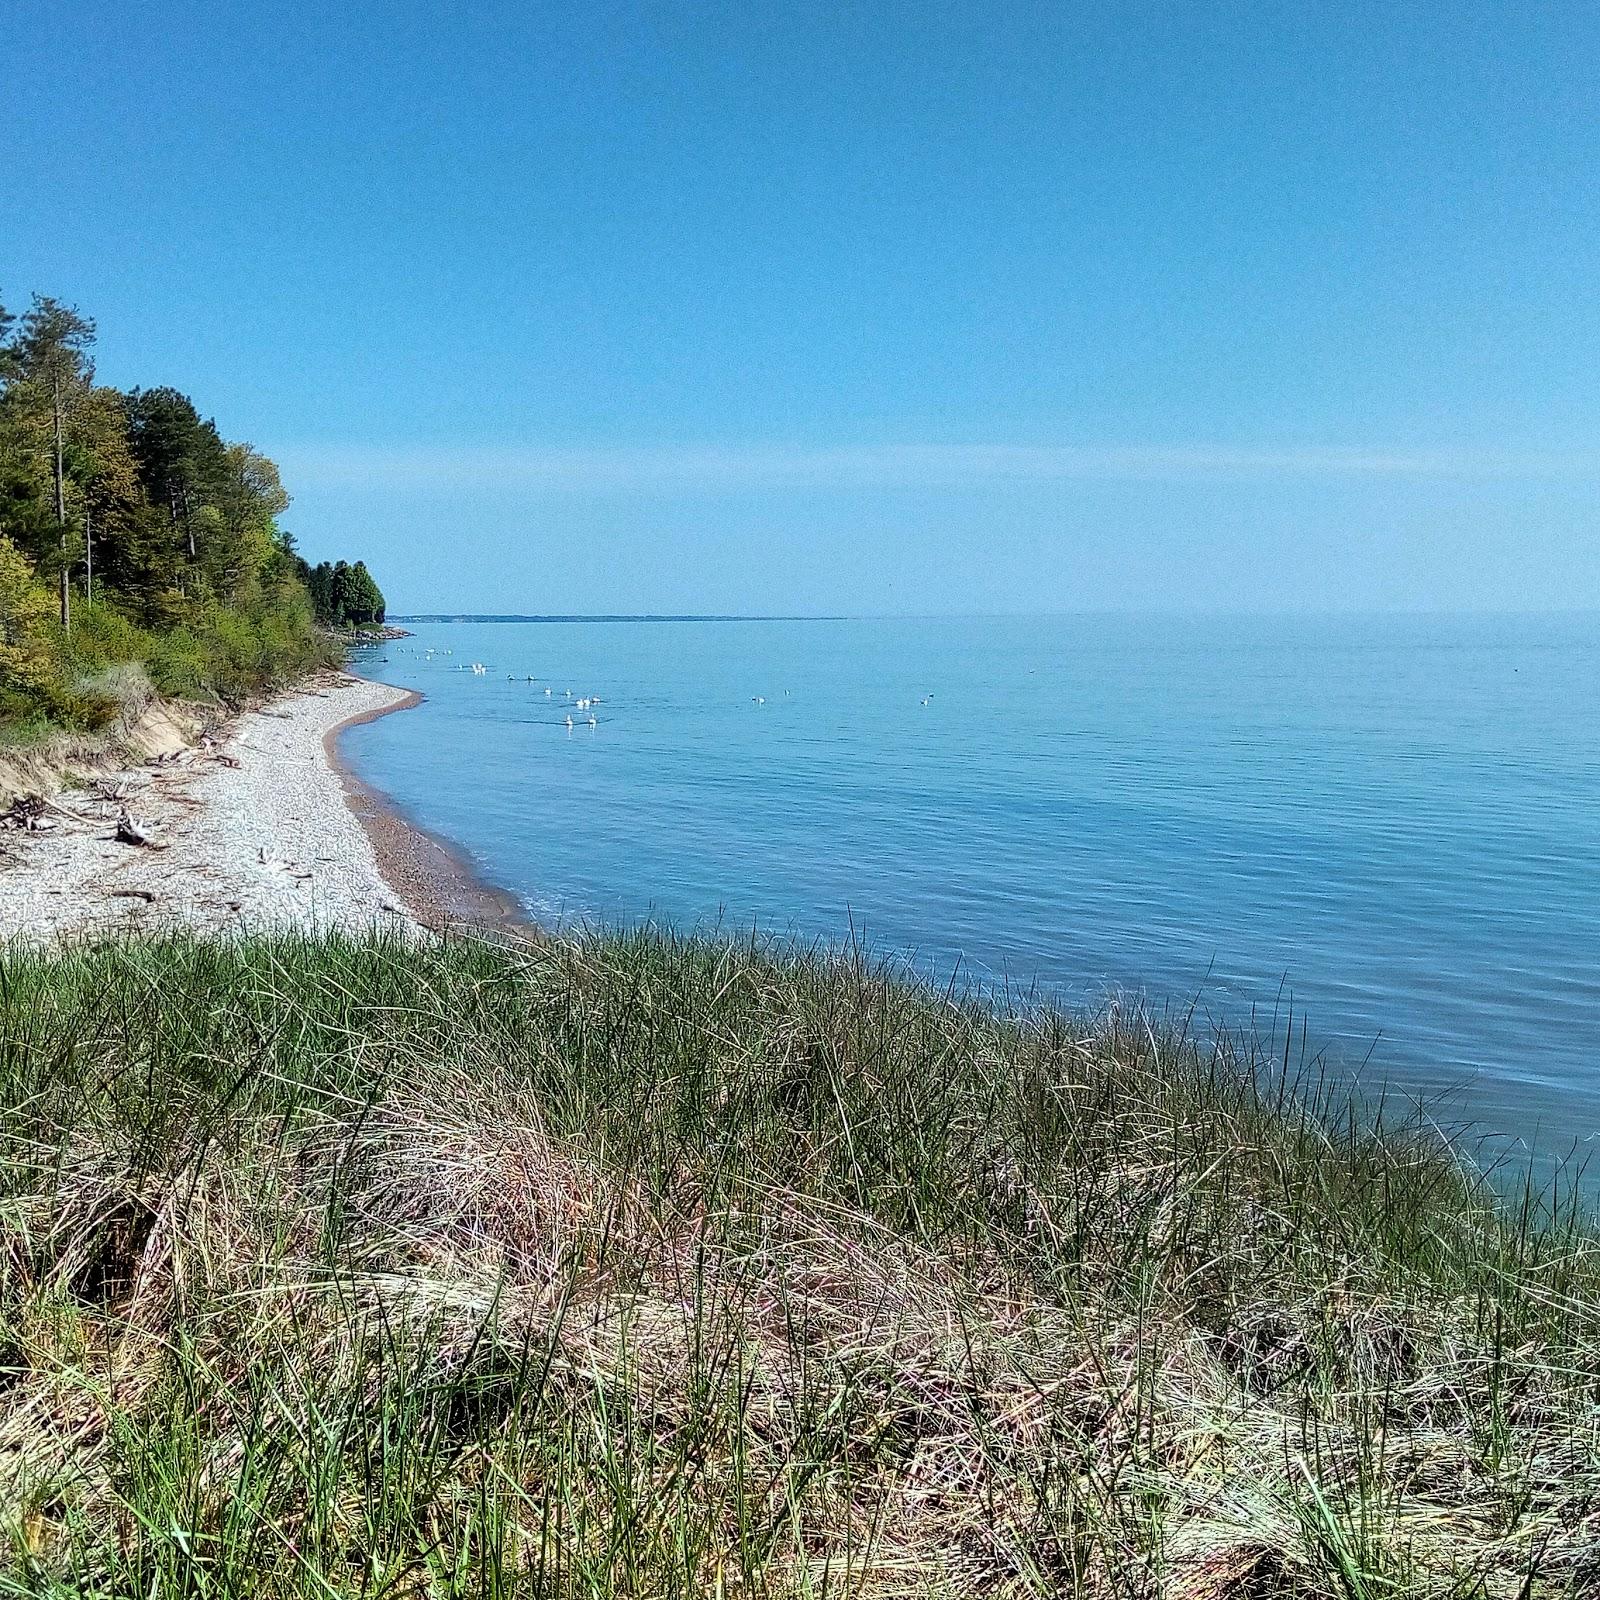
x,y
637,1266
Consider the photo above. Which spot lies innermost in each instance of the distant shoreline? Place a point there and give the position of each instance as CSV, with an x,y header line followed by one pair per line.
x,y
613,616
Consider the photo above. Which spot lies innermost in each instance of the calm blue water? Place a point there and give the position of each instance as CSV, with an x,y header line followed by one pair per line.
x,y
1397,820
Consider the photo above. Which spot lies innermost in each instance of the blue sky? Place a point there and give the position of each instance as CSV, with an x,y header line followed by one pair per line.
x,y
876,307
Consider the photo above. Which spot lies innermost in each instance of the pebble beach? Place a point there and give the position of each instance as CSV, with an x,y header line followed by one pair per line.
x,y
252,829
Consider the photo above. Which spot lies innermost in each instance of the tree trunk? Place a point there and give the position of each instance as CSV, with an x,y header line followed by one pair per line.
x,y
61,503
88,557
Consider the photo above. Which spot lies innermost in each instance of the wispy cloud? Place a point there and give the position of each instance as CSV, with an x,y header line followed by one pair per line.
x,y
733,468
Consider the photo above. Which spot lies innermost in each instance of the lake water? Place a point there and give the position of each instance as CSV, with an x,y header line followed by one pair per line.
x,y
1395,821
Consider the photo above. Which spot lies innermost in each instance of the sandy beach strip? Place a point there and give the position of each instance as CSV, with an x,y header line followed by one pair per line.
x,y
263,829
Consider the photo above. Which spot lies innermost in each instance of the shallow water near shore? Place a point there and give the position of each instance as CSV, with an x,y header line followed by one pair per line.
x,y
1389,824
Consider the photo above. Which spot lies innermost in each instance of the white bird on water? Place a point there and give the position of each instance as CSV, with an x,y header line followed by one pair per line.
x,y
592,722
759,699
569,724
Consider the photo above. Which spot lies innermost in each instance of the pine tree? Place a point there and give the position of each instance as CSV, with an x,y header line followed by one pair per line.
x,y
51,354
181,457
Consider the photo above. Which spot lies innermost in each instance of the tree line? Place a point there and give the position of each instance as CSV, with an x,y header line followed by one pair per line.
x,y
344,596
133,520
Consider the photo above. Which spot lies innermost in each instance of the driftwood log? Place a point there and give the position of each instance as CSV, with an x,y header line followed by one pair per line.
x,y
24,813
27,814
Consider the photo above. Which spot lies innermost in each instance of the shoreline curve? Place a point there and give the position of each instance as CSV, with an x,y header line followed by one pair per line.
x,y
433,879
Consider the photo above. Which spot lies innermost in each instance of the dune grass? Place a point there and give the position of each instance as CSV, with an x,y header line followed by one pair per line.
x,y
647,1267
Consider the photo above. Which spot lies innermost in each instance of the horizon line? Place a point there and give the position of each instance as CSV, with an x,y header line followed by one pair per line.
x,y
626,616
992,616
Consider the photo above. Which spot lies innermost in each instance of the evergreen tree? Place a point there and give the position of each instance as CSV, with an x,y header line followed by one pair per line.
x,y
343,591
319,583
52,375
181,457
366,597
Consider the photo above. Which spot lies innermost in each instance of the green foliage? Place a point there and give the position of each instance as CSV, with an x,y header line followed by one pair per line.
x,y
28,678
161,539
217,651
345,596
